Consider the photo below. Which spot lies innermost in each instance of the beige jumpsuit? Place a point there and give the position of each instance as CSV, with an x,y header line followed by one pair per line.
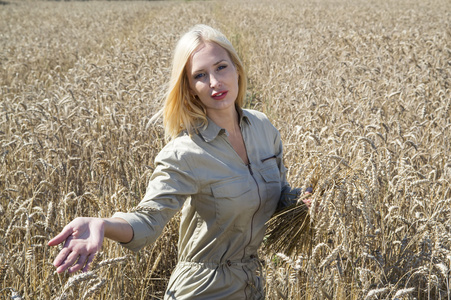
x,y
225,205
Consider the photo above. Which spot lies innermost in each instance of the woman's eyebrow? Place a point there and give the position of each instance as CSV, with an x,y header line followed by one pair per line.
x,y
220,61
215,64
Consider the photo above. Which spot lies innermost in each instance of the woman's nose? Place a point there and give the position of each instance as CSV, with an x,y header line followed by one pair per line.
x,y
214,81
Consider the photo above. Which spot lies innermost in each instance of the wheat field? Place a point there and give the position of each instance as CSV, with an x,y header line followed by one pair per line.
x,y
360,91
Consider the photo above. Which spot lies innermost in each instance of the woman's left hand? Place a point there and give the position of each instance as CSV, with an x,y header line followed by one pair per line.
x,y
307,201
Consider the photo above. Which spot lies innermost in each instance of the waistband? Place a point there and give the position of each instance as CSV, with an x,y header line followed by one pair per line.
x,y
230,263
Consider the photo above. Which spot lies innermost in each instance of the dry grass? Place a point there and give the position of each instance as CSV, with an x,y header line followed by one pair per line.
x,y
360,92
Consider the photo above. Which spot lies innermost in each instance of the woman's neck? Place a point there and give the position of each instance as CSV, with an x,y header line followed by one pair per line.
x,y
226,119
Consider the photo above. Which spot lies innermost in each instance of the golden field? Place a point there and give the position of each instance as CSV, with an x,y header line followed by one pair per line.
x,y
360,91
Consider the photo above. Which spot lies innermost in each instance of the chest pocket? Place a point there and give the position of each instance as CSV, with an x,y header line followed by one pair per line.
x,y
271,175
235,202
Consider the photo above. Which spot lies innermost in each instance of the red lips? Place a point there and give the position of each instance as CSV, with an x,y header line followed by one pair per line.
x,y
219,95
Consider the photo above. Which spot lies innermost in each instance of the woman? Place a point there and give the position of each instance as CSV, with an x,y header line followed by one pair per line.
x,y
222,167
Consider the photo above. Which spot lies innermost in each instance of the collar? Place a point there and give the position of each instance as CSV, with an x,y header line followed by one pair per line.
x,y
210,131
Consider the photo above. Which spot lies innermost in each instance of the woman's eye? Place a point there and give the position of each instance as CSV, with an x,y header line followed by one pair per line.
x,y
222,67
198,76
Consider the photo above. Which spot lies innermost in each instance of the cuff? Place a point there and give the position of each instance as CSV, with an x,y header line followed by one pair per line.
x,y
140,230
289,197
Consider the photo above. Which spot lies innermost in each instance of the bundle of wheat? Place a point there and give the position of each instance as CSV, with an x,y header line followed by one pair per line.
x,y
289,230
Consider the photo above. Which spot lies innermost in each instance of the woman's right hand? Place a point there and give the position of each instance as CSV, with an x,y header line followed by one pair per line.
x,y
82,238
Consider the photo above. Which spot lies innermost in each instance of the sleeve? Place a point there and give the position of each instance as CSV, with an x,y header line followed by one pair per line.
x,y
170,185
288,195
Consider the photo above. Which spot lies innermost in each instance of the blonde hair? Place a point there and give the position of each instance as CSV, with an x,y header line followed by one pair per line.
x,y
182,111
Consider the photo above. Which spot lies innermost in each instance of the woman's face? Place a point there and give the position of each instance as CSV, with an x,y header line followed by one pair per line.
x,y
213,78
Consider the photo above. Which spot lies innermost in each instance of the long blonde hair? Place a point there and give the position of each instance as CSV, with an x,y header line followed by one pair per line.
x,y
182,111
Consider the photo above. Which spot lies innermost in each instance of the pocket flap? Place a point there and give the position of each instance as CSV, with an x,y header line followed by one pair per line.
x,y
230,189
271,173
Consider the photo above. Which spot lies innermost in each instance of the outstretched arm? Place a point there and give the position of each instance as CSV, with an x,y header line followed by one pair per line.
x,y
83,237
